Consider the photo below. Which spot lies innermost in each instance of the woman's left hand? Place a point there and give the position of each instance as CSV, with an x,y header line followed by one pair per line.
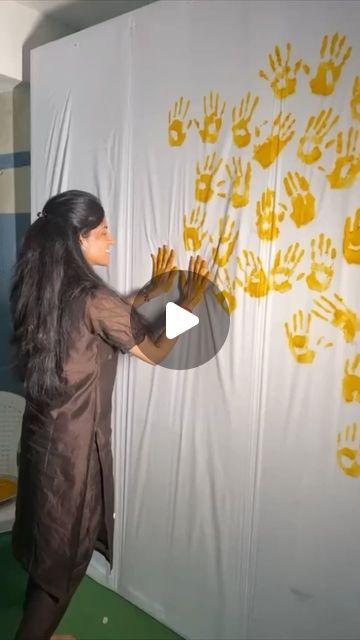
x,y
163,272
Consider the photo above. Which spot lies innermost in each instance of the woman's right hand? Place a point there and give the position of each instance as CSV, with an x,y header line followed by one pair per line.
x,y
193,286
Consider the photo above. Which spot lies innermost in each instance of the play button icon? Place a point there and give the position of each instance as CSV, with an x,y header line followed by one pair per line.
x,y
178,320
200,334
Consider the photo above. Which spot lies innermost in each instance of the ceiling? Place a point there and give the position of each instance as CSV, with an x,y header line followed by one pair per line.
x,y
80,14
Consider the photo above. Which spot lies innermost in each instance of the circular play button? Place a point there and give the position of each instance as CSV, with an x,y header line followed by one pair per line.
x,y
200,332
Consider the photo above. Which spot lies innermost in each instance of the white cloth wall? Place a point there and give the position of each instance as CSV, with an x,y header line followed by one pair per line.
x,y
236,511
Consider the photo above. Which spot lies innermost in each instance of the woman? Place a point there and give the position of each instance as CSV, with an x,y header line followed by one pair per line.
x,y
68,326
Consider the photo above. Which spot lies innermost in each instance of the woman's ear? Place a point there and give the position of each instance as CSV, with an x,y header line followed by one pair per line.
x,y
83,242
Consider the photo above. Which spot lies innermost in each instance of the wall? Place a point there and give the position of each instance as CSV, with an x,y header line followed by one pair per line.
x,y
235,482
14,207
22,29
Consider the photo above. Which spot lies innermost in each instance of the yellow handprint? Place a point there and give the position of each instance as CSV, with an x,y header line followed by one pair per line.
x,y
204,177
192,234
164,271
351,380
226,295
283,82
330,65
212,120
351,239
240,121
299,338
348,449
302,200
281,133
322,263
194,282
347,160
355,99
176,133
309,148
228,238
338,314
267,218
240,183
283,268
255,282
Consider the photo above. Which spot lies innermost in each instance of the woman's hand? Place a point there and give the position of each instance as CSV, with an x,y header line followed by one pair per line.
x,y
163,272
193,286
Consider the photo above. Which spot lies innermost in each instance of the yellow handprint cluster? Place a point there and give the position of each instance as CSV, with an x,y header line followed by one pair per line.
x,y
312,144
265,152
256,281
193,236
282,78
322,143
269,216
209,127
302,206
334,311
303,348
282,73
282,272
239,180
339,315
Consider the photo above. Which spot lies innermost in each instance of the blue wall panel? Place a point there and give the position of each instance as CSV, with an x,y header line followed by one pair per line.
x,y
12,229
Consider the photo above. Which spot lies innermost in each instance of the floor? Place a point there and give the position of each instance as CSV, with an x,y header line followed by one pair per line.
x,y
95,613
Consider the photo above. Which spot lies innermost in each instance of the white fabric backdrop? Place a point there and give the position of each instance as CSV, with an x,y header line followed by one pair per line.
x,y
235,517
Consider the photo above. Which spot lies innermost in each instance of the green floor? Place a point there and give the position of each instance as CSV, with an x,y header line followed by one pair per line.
x,y
84,617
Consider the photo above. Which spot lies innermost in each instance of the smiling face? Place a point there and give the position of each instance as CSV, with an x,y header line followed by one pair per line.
x,y
96,246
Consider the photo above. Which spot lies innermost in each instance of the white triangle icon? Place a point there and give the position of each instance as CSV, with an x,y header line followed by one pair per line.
x,y
178,320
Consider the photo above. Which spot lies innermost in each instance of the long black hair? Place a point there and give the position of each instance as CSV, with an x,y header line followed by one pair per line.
x,y
49,287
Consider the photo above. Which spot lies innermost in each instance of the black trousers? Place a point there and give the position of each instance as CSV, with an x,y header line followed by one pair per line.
x,y
42,612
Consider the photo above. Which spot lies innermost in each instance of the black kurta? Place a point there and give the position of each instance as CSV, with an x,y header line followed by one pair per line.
x,y
66,466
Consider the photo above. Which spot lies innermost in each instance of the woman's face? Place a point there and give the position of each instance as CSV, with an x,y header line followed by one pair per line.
x,y
96,246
